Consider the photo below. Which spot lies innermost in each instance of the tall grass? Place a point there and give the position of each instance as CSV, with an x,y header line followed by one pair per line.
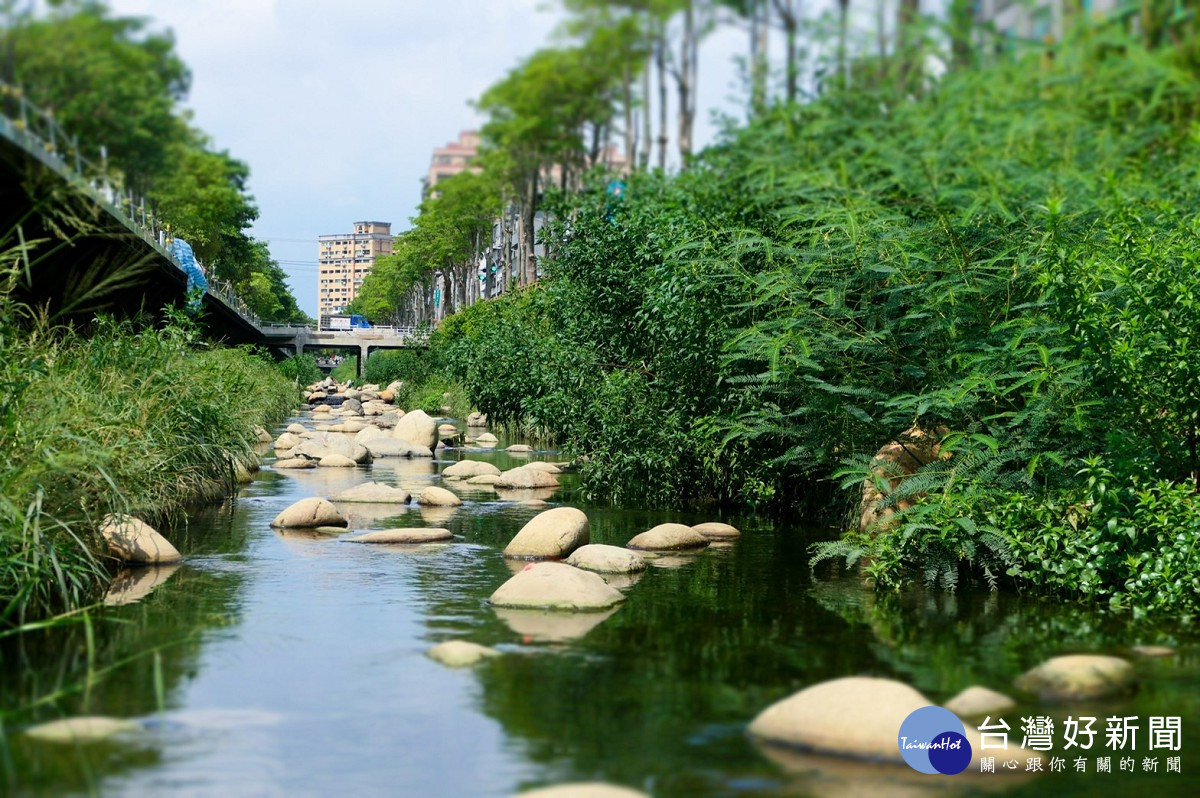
x,y
124,418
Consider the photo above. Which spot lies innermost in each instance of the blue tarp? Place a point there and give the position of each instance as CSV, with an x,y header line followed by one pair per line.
x,y
197,283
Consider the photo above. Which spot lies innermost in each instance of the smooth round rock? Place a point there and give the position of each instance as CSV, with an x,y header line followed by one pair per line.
x,y
978,702
1154,651
465,469
311,512
484,479
438,497
403,536
519,448
87,729
1077,677
550,535
287,440
607,559
336,461
526,478
373,493
542,465
460,653
533,503
555,586
486,438
417,429
132,540
717,530
390,447
855,716
668,537
296,462
591,789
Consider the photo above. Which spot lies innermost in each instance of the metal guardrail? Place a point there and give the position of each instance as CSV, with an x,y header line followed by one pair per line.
x,y
38,132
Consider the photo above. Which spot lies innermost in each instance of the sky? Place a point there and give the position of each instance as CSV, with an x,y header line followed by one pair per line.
x,y
337,106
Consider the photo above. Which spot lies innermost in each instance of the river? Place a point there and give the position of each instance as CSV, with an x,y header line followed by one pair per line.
x,y
281,663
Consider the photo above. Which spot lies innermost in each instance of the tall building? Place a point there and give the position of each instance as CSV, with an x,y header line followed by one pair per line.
x,y
343,260
453,158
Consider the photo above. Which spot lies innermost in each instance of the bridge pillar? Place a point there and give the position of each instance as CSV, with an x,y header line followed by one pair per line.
x,y
363,351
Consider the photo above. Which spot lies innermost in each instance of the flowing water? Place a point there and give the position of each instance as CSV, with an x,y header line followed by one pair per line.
x,y
286,663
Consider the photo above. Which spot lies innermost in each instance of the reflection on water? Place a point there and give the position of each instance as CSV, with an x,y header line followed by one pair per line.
x,y
292,663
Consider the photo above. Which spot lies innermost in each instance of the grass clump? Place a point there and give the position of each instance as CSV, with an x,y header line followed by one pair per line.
x,y
124,418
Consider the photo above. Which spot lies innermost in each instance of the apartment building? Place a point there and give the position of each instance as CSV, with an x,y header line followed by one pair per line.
x,y
1035,20
453,158
344,259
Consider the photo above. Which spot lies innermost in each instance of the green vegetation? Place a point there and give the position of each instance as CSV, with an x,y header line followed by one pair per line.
x,y
124,418
301,369
1009,256
117,87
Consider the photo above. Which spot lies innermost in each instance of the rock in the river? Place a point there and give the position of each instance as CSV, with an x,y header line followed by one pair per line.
x,y
355,425
668,537
134,584
465,469
310,512
336,461
460,653
607,559
134,541
1077,677
438,497
391,447
476,419
555,586
911,450
88,729
416,428
447,431
519,448
583,789
297,429
286,441
373,493
978,702
484,479
370,432
262,435
854,716
295,462
405,535
717,531
526,478
533,503
487,439
1154,651
542,465
550,535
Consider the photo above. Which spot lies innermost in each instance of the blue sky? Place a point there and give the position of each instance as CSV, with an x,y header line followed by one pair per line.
x,y
336,106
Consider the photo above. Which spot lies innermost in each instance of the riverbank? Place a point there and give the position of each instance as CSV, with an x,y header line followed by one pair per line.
x,y
124,419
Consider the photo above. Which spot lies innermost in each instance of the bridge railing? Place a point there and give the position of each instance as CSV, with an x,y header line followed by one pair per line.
x,y
39,132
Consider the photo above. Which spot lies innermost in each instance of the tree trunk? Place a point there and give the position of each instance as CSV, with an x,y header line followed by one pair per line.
x,y
647,144
528,269
685,79
843,21
906,41
962,23
758,57
660,64
627,102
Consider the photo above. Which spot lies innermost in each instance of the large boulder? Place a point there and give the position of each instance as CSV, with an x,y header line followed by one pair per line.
x,y
132,540
465,469
668,537
295,462
607,559
460,653
297,429
526,479
487,439
286,441
416,428
391,447
542,465
438,497
1077,677
550,535
407,535
484,479
555,586
978,702
477,419
717,531
311,512
901,458
374,493
336,461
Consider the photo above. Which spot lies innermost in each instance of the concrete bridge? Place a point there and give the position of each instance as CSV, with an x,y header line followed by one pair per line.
x,y
85,246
